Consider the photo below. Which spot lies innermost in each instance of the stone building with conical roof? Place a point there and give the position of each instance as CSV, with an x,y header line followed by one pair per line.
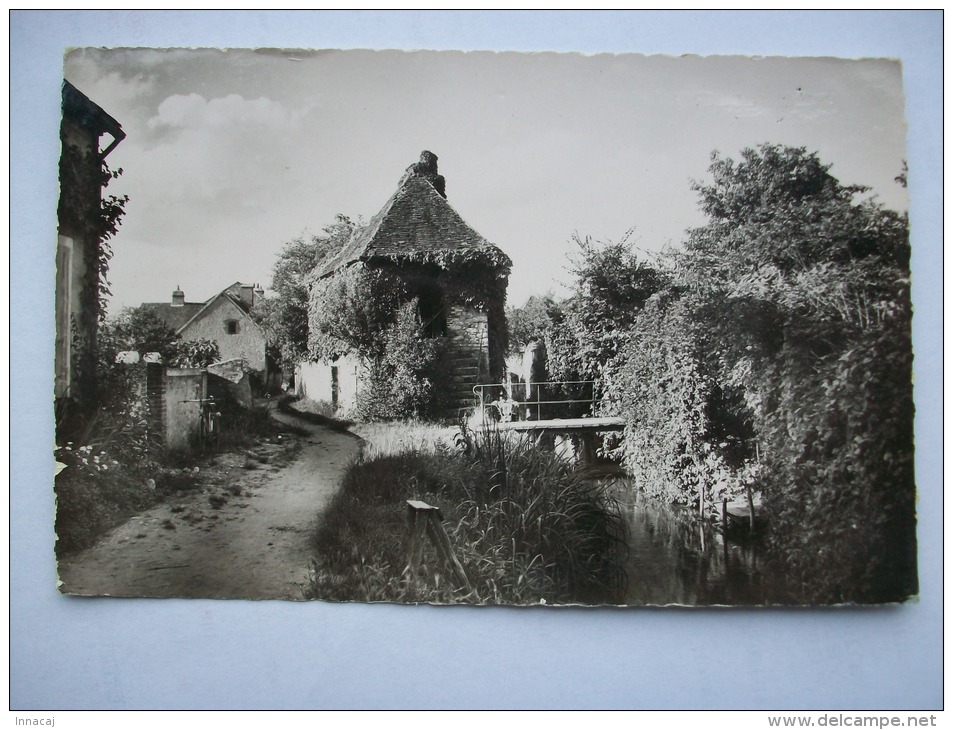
x,y
458,278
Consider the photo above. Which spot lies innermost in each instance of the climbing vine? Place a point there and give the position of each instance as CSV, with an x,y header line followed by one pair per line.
x,y
84,210
84,213
473,277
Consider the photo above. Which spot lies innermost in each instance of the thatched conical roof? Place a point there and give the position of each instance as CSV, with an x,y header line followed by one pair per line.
x,y
417,224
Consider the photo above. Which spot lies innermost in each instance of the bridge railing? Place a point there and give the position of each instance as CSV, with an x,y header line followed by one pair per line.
x,y
544,401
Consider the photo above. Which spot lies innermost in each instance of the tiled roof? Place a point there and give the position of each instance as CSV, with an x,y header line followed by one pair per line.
x,y
179,316
416,220
175,317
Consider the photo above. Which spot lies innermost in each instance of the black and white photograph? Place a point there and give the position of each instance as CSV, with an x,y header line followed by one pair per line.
x,y
447,360
484,328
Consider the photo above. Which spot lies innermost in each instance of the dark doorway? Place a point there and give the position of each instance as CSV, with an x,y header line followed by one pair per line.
x,y
433,315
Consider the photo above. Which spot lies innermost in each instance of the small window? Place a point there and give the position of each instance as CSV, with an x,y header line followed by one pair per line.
x,y
231,326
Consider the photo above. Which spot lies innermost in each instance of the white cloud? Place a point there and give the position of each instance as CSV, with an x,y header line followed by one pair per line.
x,y
196,112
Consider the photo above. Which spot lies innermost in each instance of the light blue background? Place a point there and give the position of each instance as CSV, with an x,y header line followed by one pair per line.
x,y
70,653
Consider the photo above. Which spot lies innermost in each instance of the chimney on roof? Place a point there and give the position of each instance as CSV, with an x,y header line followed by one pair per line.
x,y
246,293
259,293
427,169
178,297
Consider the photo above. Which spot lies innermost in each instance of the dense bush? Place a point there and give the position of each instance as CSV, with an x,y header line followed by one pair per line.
x,y
780,360
838,435
198,353
661,385
94,493
802,286
401,381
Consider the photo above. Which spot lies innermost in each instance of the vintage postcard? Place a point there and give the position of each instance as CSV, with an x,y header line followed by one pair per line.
x,y
483,328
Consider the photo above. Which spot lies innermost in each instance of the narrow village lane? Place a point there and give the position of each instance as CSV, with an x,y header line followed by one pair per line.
x,y
245,535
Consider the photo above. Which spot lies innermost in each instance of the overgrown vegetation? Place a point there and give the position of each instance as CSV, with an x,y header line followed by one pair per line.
x,y
770,353
806,285
120,468
612,284
403,381
143,331
526,526
370,312
284,314
93,218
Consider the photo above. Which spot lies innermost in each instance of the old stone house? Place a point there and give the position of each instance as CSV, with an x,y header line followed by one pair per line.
x,y
458,277
225,319
80,260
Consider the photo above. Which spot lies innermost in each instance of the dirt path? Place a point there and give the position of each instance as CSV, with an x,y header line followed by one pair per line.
x,y
245,534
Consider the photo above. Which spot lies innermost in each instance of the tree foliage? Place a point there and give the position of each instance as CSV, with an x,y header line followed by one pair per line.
x,y
285,313
143,331
402,377
776,356
532,321
137,330
612,284
802,287
199,353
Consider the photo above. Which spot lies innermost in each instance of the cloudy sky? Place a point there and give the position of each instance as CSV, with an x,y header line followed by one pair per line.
x,y
230,154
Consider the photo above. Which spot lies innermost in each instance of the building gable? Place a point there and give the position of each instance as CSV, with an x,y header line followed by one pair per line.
x,y
225,319
221,308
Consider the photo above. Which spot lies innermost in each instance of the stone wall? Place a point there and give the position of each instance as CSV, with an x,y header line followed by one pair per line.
x,y
467,354
183,389
172,402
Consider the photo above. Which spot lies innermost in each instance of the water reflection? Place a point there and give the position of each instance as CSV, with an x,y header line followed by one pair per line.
x,y
674,558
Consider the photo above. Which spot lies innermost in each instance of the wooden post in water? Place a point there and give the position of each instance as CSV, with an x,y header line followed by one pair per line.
x,y
757,455
724,528
422,519
750,508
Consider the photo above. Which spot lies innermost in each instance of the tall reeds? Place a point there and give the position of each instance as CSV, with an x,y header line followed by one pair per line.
x,y
527,526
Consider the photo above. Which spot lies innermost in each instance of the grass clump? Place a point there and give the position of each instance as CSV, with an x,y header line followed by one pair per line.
x,y
91,500
527,527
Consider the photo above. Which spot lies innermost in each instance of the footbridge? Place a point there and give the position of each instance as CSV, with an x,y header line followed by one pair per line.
x,y
566,407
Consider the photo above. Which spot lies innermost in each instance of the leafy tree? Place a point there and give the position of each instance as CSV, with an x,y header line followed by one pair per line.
x,y
198,353
531,321
285,314
802,286
138,330
612,285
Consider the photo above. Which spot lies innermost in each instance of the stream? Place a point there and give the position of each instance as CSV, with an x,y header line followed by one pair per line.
x,y
676,559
